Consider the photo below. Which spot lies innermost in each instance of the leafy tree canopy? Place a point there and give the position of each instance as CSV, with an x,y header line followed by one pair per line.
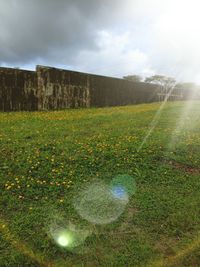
x,y
133,78
163,81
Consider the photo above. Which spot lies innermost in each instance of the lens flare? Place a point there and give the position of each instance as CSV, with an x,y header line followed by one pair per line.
x,y
64,239
97,204
155,120
123,186
67,235
119,192
186,122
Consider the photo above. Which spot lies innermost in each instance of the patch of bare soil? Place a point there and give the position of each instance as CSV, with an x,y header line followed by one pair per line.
x,y
184,167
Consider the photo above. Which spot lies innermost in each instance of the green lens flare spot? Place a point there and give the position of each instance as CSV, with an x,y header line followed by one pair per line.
x,y
64,240
123,185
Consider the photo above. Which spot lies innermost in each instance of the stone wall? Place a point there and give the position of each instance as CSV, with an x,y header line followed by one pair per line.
x,y
18,90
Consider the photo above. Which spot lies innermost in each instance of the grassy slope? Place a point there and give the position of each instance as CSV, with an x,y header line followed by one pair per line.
x,y
46,156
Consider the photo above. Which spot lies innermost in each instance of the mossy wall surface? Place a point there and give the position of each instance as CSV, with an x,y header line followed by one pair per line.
x,y
59,89
18,90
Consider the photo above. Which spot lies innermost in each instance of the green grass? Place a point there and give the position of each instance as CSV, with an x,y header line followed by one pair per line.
x,y
46,157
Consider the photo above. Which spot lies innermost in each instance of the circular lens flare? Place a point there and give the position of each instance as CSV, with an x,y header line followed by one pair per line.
x,y
97,204
119,191
63,240
68,235
123,186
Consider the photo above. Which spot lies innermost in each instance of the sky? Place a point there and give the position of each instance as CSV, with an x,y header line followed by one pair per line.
x,y
106,37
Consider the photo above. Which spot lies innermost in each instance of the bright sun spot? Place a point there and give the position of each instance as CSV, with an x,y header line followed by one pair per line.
x,y
63,240
181,21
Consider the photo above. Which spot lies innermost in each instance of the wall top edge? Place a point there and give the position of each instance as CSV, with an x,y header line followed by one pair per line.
x,y
16,69
72,71
89,74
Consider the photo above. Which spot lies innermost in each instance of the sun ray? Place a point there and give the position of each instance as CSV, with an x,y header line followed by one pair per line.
x,y
155,120
195,244
181,123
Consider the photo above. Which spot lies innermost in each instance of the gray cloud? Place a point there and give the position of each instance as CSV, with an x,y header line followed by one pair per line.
x,y
33,30
109,37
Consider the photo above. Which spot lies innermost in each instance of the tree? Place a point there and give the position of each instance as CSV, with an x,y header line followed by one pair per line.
x,y
133,78
165,83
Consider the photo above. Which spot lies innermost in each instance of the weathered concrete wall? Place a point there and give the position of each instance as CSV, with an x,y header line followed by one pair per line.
x,y
52,89
106,91
59,89
18,90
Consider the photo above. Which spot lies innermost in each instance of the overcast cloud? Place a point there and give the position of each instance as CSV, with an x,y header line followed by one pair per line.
x,y
109,37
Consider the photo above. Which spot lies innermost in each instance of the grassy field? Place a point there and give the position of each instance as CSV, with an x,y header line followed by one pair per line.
x,y
47,157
